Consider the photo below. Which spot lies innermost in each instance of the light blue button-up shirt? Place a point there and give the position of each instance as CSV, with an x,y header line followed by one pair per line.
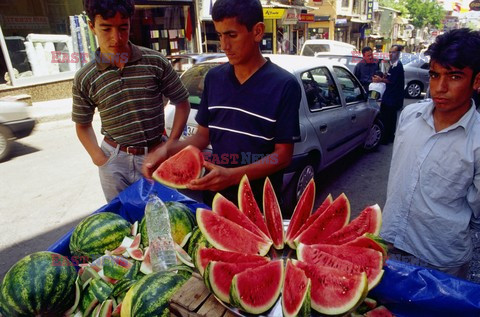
x,y
433,193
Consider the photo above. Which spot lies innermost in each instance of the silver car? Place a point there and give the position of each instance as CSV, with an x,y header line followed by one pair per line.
x,y
336,116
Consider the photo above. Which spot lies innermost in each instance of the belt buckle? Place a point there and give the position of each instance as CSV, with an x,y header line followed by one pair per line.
x,y
132,148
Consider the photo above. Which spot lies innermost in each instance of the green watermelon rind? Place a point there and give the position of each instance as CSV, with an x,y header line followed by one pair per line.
x,y
304,308
236,298
46,278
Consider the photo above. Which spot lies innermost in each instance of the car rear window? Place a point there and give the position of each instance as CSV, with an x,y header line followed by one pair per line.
x,y
193,80
311,49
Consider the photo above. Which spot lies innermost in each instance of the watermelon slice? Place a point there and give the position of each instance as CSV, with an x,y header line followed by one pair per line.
x,y
334,292
380,311
334,218
180,169
256,290
323,206
302,212
273,215
248,205
219,275
368,221
227,209
371,242
296,292
226,235
345,258
205,255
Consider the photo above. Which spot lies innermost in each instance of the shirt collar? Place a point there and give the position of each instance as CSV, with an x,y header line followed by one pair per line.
x,y
136,55
465,121
394,64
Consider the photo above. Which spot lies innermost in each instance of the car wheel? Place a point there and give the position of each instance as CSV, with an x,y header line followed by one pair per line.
x,y
414,90
295,189
5,143
374,136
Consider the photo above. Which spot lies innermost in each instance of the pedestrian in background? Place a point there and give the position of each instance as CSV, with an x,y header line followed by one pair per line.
x,y
366,68
249,108
392,99
125,83
433,194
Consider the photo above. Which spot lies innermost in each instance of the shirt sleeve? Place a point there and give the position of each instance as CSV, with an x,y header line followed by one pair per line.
x,y
171,85
288,126
83,108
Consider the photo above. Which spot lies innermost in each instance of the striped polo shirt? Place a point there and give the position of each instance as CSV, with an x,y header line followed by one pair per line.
x,y
129,100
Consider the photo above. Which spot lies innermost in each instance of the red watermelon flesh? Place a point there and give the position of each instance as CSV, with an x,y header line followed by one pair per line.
x,y
368,221
206,255
227,209
296,292
380,311
310,254
301,213
226,235
333,219
371,242
323,206
256,290
273,215
219,275
181,168
248,205
334,292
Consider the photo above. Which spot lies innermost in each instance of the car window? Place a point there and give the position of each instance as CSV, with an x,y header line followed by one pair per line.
x,y
193,80
320,89
350,86
425,66
311,49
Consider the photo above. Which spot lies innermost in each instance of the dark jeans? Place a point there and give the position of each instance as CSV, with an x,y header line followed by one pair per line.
x,y
388,115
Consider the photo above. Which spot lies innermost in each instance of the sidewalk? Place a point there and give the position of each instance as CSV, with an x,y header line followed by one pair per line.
x,y
51,110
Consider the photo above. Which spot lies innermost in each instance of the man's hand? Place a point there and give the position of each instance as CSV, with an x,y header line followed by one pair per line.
x,y
154,159
217,178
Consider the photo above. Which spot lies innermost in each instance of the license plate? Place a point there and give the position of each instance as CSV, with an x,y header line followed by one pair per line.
x,y
189,130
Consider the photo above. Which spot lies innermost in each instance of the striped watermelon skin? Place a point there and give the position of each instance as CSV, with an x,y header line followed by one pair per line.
x,y
97,233
42,283
182,222
150,295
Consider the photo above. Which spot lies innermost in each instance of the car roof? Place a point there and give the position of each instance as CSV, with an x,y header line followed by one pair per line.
x,y
291,63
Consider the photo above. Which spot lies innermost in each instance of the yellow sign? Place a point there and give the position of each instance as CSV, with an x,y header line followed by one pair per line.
x,y
273,13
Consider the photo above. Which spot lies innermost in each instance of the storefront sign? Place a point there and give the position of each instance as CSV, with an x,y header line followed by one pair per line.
x,y
320,18
370,10
475,5
25,22
306,17
341,22
273,13
290,17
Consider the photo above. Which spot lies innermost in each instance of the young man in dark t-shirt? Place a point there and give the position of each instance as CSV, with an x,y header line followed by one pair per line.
x,y
248,112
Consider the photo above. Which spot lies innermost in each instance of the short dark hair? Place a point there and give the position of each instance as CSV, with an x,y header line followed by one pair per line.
x,y
108,8
398,46
366,49
247,12
458,48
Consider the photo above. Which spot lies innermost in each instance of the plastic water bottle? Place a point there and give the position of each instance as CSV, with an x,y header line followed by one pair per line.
x,y
162,247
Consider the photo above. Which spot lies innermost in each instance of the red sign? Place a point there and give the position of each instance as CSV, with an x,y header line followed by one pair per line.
x,y
306,17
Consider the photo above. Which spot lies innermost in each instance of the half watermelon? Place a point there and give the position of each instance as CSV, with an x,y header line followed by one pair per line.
x,y
273,215
180,169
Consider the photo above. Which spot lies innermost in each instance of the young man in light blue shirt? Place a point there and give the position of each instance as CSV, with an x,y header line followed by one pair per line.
x,y
433,196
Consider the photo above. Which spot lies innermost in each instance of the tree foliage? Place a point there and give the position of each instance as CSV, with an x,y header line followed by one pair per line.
x,y
421,12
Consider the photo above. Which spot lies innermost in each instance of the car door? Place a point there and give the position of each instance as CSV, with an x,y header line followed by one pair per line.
x,y
325,112
359,113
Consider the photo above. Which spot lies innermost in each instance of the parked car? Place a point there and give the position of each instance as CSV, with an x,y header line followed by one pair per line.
x,y
416,69
15,123
183,62
320,47
336,116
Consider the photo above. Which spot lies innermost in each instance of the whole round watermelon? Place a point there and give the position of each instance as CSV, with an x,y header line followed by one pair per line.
x,y
149,296
182,222
40,284
97,233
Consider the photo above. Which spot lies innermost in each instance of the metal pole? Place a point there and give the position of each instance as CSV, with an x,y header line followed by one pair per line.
x,y
6,56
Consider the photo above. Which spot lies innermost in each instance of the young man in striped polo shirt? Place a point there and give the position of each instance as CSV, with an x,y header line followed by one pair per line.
x,y
248,112
126,84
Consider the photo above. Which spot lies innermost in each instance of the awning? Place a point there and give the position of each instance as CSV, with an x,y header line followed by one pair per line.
x,y
274,4
357,20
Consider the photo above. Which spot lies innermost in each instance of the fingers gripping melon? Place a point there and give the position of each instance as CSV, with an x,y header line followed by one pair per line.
x,y
226,235
183,167
273,215
256,290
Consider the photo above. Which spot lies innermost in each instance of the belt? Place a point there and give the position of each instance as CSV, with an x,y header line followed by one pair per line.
x,y
134,150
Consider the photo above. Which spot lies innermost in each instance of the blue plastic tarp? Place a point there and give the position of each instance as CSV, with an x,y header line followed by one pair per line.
x,y
405,289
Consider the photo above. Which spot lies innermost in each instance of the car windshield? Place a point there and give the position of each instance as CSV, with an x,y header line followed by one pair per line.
x,y
311,49
193,80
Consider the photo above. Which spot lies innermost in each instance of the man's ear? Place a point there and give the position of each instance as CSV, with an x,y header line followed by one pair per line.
x,y
258,31
476,83
91,26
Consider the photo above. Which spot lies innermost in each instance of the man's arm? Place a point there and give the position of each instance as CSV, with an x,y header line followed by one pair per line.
x,y
87,137
182,109
220,177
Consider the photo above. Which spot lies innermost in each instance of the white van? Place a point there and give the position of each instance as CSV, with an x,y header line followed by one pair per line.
x,y
319,47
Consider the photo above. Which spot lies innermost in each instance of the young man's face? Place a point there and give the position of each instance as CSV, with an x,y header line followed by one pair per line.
x,y
112,34
451,88
368,56
236,41
394,54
